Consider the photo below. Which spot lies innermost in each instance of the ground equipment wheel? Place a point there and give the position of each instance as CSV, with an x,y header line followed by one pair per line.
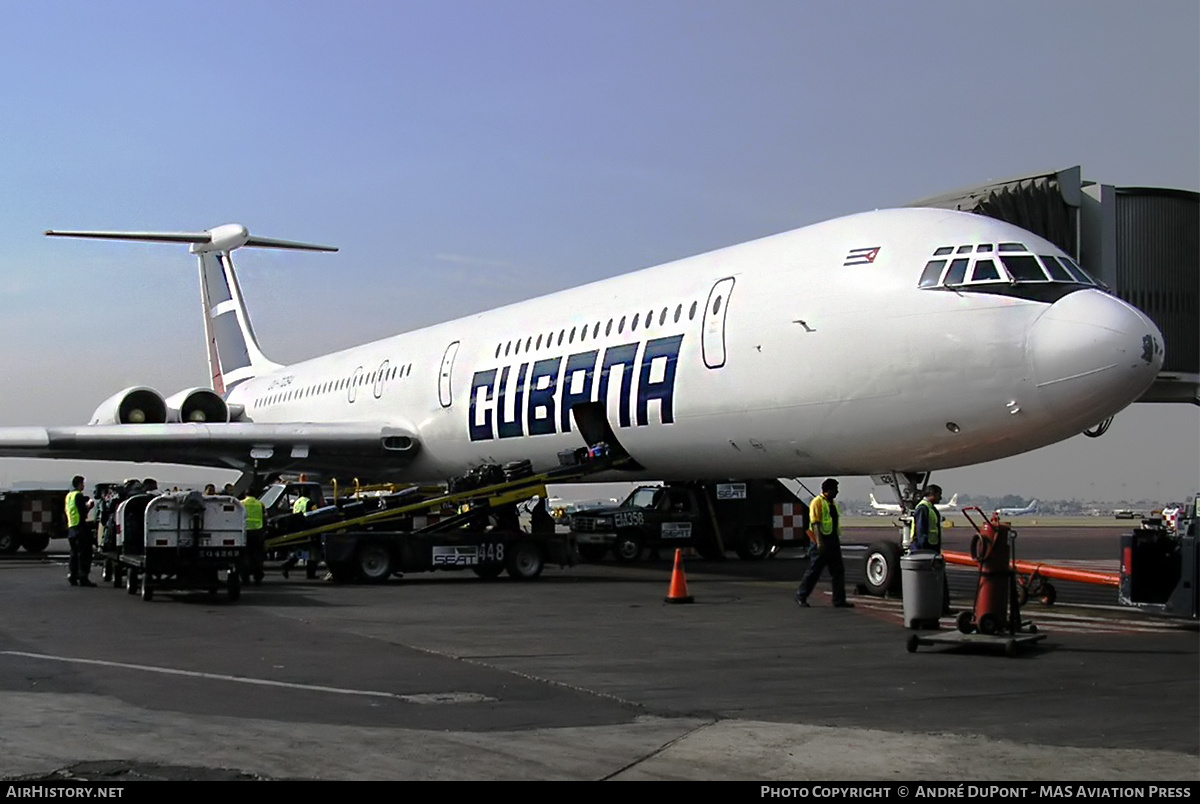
x,y
9,541
36,543
234,586
592,552
1049,595
488,571
755,546
913,642
881,569
131,582
525,561
627,548
147,591
340,571
989,624
374,563
963,622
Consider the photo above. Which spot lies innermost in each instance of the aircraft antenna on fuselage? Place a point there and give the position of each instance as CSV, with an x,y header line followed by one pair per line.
x,y
233,352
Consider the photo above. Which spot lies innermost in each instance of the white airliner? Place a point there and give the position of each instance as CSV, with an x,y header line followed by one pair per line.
x,y
754,361
895,508
1029,509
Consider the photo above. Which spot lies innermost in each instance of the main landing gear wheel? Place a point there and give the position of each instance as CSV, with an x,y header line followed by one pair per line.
x,y
881,569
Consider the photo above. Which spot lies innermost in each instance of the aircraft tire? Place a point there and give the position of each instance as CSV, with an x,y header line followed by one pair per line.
x,y
881,569
374,563
525,562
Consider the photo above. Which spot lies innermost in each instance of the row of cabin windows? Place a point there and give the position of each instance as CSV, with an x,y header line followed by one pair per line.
x,y
530,344
357,381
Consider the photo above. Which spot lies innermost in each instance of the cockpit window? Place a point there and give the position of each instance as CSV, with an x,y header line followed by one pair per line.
x,y
1007,269
932,273
1023,268
985,271
1077,272
957,272
1054,267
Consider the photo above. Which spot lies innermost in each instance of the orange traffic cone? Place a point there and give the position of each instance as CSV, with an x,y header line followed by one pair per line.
x,y
678,592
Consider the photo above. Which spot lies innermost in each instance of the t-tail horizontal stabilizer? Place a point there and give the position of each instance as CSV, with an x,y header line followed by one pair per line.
x,y
225,238
233,352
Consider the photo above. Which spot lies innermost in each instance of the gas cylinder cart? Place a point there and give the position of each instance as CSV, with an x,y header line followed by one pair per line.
x,y
995,621
181,542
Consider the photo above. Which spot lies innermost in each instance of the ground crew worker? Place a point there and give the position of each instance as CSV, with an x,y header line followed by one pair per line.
x,y
926,529
826,530
925,533
79,535
302,506
255,537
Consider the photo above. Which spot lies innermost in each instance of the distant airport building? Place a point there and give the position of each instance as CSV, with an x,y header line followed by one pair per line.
x,y
1143,242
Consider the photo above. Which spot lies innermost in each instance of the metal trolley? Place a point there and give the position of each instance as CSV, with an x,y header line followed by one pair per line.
x,y
180,542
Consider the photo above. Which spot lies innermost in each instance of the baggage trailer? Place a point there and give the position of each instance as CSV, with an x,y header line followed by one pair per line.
x,y
30,518
473,523
178,542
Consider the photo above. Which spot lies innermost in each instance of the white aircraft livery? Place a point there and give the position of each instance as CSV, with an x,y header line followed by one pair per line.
x,y
902,340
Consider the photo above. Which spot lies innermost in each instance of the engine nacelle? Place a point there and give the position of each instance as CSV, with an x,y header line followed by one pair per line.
x,y
197,405
137,405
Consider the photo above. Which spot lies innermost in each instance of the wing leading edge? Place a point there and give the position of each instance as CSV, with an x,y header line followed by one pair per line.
x,y
327,448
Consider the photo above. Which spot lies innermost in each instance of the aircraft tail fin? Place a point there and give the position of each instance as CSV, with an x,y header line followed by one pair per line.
x,y
233,352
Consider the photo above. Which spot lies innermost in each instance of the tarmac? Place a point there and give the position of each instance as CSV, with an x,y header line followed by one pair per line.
x,y
584,674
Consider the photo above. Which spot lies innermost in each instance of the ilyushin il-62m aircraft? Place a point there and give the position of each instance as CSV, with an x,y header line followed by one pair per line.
x,y
889,342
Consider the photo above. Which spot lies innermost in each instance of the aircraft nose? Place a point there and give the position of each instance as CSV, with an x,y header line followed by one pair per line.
x,y
1090,347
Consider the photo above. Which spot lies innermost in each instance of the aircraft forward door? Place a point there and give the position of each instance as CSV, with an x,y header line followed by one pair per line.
x,y
444,374
712,336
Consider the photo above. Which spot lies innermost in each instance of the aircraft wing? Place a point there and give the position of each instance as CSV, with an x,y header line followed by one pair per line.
x,y
358,448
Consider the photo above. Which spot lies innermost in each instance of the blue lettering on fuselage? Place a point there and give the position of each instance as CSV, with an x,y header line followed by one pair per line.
x,y
551,393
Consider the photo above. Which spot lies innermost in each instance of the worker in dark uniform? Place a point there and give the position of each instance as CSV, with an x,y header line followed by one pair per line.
x,y
926,533
79,535
826,530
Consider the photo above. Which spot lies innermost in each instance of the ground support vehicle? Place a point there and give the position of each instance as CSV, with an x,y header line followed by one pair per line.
x,y
178,542
753,517
474,523
30,518
1160,566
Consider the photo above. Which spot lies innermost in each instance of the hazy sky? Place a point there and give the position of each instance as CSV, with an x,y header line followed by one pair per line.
x,y
468,154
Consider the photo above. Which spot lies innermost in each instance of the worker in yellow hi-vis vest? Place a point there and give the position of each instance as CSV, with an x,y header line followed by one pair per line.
x,y
826,530
79,535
